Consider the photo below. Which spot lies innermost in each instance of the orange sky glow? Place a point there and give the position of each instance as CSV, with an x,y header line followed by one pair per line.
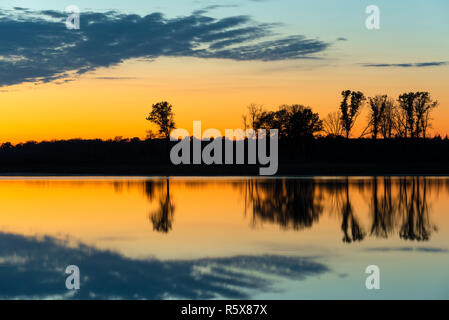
x,y
114,101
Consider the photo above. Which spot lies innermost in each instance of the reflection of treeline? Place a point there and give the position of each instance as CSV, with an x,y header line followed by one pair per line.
x,y
396,205
285,202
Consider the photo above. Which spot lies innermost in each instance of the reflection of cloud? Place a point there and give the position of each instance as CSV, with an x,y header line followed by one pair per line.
x,y
36,46
34,267
419,249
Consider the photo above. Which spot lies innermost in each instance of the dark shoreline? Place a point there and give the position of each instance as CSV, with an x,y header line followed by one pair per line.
x,y
347,169
315,157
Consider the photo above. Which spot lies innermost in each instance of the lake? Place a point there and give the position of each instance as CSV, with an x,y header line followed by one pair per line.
x,y
224,237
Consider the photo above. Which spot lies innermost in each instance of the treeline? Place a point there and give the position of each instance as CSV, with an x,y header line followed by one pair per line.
x,y
395,140
408,116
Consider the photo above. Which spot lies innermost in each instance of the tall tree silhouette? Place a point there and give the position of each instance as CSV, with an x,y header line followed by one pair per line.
x,y
415,109
406,103
387,125
350,108
163,116
378,105
423,107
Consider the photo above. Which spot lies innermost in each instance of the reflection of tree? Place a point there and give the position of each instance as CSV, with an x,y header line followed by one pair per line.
x,y
291,203
349,219
383,209
415,210
162,218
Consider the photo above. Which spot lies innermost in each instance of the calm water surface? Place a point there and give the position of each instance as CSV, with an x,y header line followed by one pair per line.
x,y
209,238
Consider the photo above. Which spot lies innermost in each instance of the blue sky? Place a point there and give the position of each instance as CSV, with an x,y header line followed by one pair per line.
x,y
411,30
412,34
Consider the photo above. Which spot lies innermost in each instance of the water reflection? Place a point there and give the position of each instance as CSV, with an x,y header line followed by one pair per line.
x,y
289,203
349,219
163,216
32,267
209,251
397,205
298,203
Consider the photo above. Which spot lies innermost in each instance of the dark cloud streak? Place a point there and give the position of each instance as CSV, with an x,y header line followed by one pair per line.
x,y
406,65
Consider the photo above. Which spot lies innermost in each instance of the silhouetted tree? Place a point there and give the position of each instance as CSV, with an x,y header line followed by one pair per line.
x,y
350,109
332,125
302,122
387,121
163,116
377,104
407,117
415,113
293,121
250,119
423,107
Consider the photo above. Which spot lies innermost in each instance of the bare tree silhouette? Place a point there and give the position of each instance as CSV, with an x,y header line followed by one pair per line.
x,y
250,119
332,125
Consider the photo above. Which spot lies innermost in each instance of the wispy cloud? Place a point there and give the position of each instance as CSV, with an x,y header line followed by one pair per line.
x,y
214,7
35,46
406,65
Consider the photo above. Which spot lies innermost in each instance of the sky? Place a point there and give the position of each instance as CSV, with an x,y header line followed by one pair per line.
x,y
210,59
